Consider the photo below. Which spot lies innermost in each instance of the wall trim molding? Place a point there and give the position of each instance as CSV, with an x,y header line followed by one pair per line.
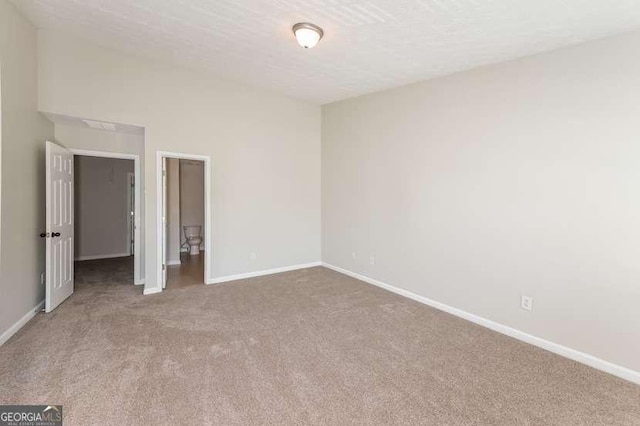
x,y
138,282
235,277
101,256
575,355
21,322
173,262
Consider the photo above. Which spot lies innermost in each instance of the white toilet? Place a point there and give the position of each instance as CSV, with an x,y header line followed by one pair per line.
x,y
192,234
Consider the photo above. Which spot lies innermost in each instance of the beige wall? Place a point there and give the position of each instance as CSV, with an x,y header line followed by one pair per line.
x,y
23,134
515,179
101,207
265,175
174,230
192,197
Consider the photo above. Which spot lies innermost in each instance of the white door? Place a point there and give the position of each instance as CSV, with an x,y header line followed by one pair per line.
x,y
164,222
59,223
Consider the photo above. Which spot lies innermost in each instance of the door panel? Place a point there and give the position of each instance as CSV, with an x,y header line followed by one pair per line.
x,y
131,212
164,222
59,223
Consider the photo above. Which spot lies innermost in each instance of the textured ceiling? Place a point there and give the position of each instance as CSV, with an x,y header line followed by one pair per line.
x,y
369,45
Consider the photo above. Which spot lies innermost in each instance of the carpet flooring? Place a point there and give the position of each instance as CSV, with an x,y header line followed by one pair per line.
x,y
303,347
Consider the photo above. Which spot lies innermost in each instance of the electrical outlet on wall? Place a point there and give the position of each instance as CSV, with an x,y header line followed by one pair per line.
x,y
253,256
372,260
353,255
526,303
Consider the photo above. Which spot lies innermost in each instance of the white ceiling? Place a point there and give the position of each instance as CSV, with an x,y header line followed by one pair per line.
x,y
369,45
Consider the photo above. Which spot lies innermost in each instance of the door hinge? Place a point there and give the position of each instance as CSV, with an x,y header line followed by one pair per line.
x,y
164,173
164,266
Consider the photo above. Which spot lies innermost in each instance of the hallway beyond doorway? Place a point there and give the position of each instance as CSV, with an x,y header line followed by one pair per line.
x,y
104,272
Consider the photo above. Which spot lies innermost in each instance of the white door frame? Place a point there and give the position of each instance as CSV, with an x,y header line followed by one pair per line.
x,y
137,258
208,252
131,209
165,224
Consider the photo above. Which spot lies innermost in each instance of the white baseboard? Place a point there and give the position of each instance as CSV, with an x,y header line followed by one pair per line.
x,y
154,290
20,323
173,262
261,273
139,282
581,357
102,256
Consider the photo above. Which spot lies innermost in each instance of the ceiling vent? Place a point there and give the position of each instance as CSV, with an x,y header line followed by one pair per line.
x,y
100,125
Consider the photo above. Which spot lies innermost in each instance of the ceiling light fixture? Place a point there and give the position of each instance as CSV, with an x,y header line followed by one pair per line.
x,y
308,35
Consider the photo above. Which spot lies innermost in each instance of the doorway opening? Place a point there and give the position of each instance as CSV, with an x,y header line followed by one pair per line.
x,y
95,213
107,212
184,234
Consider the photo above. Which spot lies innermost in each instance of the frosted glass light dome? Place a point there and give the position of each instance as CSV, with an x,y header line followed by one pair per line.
x,y
308,35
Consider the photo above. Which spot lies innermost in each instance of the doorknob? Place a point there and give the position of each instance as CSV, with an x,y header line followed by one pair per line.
x,y
55,234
